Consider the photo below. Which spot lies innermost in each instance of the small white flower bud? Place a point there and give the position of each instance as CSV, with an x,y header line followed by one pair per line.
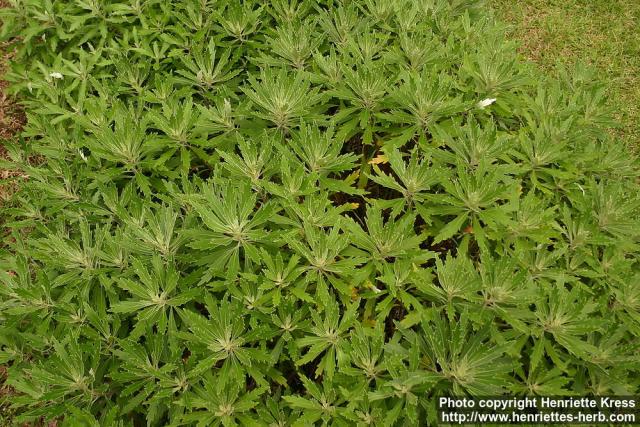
x,y
485,103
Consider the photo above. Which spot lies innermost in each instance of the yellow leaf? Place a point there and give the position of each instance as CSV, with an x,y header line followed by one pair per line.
x,y
380,158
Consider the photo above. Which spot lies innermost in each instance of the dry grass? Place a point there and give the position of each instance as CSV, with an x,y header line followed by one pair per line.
x,y
602,33
11,114
12,119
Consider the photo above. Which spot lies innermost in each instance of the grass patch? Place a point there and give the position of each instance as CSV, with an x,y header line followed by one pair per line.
x,y
602,33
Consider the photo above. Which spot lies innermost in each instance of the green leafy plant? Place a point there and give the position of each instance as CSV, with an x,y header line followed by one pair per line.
x,y
304,213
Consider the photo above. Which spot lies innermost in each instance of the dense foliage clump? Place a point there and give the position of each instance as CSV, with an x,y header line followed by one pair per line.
x,y
299,212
